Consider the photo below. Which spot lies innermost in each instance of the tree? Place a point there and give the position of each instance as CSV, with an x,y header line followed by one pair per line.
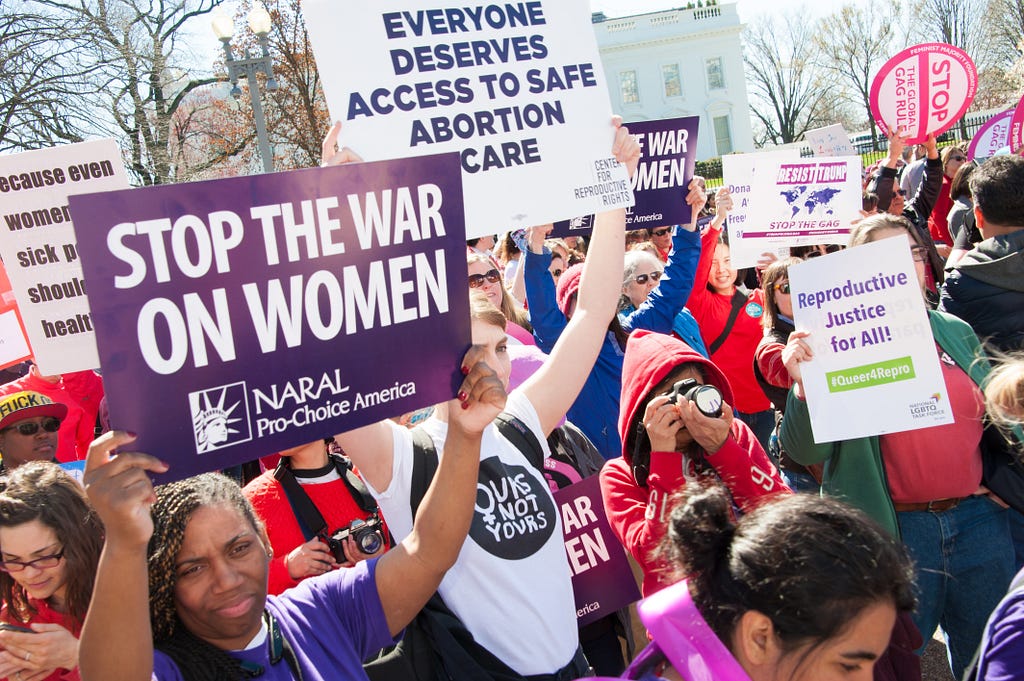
x,y
792,93
1005,30
857,60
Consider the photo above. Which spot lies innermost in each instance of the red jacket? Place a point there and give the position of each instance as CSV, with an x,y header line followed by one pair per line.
x,y
47,615
638,515
938,224
268,499
736,355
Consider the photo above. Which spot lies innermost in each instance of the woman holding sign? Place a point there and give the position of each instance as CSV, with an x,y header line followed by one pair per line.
x,y
923,485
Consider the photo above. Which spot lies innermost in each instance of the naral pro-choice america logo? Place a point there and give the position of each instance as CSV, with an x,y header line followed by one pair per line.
x,y
220,416
515,514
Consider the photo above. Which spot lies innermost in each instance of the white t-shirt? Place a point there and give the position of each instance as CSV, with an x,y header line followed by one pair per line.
x,y
511,584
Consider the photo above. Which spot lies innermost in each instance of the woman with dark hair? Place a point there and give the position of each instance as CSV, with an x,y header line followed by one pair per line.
x,y
801,588
50,541
953,157
963,228
181,589
770,369
923,485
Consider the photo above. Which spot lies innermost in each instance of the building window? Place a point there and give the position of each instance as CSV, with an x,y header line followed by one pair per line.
x,y
716,75
630,89
723,140
673,83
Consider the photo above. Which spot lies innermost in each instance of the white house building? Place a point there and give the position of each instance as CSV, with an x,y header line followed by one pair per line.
x,y
680,62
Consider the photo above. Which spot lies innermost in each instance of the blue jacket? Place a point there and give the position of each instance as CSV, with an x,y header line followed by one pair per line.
x,y
596,409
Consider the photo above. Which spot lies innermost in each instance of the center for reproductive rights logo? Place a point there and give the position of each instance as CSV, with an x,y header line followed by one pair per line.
x,y
220,417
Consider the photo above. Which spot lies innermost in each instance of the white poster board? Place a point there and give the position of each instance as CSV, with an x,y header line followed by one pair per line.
x,y
874,353
39,250
516,88
738,175
831,140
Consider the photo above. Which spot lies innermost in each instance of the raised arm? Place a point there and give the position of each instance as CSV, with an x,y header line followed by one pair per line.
x,y
119,488
555,386
883,184
410,573
547,320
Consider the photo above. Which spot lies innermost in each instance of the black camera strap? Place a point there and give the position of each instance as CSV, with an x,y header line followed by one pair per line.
x,y
310,520
738,302
277,648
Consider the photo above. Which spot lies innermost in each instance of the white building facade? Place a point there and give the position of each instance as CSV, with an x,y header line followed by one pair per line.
x,y
680,62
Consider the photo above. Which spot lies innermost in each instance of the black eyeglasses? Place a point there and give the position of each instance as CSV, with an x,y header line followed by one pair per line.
x,y
902,192
556,273
642,278
477,280
661,232
919,253
782,288
49,424
40,563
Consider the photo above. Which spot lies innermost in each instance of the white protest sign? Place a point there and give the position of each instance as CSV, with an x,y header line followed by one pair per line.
x,y
39,249
516,88
924,89
831,140
874,354
797,203
738,176
991,137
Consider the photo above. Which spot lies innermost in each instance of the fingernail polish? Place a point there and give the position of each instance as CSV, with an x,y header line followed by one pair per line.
x,y
465,405
465,371
132,433
462,396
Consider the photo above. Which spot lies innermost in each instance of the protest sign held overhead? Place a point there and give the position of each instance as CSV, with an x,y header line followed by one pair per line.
x,y
790,202
831,140
923,89
668,151
259,313
874,353
14,345
602,581
991,137
516,88
1017,128
39,250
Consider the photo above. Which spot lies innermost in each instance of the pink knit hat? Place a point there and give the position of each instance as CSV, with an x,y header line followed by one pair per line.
x,y
568,285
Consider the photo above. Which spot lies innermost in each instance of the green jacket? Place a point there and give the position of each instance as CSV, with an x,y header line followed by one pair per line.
x,y
853,468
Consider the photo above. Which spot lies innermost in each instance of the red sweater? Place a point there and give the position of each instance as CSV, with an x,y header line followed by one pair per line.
x,y
47,615
735,357
267,497
938,226
81,392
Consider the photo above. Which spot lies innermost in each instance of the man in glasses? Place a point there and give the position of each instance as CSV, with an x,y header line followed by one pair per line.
x,y
29,422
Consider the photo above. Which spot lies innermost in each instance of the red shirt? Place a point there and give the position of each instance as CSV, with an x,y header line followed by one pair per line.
x,y
47,615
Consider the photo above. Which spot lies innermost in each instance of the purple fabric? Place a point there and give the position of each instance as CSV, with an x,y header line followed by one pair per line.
x,y
1002,646
332,622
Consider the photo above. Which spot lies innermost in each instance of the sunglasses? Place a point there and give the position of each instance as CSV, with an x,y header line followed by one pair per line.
x,y
556,273
40,563
958,158
49,424
477,280
661,232
782,288
919,253
902,192
642,278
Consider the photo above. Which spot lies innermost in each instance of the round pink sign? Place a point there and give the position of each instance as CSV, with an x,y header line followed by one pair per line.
x,y
1016,140
991,137
924,89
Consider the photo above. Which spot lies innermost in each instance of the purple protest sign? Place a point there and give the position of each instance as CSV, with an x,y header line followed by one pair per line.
x,y
924,89
240,317
601,578
668,151
992,136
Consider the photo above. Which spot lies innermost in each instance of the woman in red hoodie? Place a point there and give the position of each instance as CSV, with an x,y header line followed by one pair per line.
x,y
665,443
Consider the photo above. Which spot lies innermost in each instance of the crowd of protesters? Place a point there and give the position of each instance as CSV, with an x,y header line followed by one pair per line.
x,y
643,357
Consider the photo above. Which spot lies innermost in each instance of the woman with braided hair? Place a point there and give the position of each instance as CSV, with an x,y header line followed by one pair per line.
x,y
50,542
194,605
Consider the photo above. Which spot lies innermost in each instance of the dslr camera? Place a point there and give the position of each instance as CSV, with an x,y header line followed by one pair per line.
x,y
707,397
367,534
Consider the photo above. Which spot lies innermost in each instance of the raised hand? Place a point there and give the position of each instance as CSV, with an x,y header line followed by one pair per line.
x,y
331,155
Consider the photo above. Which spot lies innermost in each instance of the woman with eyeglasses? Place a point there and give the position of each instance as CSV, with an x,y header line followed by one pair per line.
x,y
925,485
952,158
29,428
50,541
485,277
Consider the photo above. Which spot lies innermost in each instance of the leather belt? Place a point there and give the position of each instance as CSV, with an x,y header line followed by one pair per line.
x,y
936,506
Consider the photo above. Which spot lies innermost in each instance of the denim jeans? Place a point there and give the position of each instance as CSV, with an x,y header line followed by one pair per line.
x,y
963,560
761,422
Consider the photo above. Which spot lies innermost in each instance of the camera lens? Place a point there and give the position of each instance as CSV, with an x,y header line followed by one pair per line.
x,y
370,542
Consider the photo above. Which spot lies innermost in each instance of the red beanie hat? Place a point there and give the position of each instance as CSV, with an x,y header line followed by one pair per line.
x,y
568,285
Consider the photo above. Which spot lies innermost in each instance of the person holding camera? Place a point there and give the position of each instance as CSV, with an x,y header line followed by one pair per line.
x,y
318,513
677,425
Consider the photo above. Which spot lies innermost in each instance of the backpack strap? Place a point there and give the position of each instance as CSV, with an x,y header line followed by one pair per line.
x,y
516,432
738,301
424,465
310,520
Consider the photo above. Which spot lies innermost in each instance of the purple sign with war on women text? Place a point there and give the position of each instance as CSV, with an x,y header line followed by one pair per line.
x,y
239,317
602,580
668,152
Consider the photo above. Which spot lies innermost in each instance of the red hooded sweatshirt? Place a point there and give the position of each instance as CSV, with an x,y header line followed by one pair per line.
x,y
638,515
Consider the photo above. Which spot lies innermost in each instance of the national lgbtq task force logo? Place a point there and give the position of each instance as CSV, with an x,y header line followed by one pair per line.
x,y
220,416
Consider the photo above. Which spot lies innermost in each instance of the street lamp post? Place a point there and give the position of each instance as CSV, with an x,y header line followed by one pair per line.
x,y
259,23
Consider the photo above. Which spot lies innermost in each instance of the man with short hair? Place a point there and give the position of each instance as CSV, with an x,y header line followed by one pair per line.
x,y
29,422
986,287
